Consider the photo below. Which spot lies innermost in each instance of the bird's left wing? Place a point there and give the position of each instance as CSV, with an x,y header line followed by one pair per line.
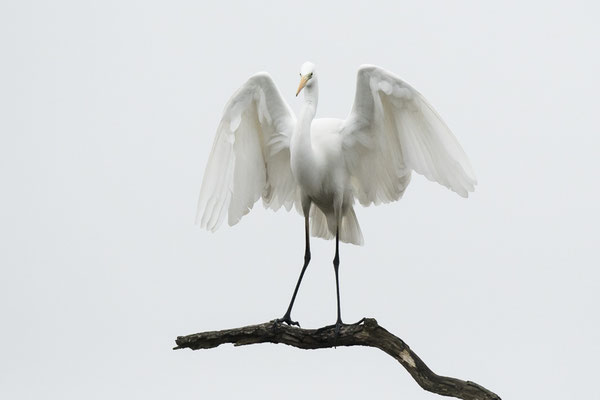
x,y
392,130
250,157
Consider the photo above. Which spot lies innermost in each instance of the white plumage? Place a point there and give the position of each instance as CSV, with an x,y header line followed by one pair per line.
x,y
262,150
323,165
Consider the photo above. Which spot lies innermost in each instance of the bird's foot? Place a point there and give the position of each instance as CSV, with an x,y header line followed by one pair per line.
x,y
288,320
338,326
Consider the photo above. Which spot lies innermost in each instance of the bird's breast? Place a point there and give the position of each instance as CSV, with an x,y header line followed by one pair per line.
x,y
316,160
305,170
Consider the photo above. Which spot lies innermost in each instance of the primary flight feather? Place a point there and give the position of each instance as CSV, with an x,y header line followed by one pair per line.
x,y
322,165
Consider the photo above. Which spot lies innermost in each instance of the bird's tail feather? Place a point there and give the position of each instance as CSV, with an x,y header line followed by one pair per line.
x,y
318,224
349,230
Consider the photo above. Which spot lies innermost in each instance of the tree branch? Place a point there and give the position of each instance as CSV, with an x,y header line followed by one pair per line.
x,y
364,333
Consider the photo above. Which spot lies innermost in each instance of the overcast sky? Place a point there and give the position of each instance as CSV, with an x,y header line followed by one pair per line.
x,y
108,113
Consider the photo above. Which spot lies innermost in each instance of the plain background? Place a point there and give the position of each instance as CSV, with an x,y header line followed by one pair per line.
x,y
108,113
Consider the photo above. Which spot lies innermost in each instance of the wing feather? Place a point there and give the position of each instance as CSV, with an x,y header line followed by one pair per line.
x,y
391,131
250,157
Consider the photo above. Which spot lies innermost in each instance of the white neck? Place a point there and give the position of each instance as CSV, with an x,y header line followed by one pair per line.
x,y
301,141
311,92
309,109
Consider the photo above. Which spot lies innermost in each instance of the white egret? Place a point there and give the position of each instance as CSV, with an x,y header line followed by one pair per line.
x,y
322,165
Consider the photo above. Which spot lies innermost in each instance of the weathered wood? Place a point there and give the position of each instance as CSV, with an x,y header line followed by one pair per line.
x,y
364,333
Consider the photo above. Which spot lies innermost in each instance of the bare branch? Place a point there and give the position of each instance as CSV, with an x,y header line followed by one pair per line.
x,y
364,333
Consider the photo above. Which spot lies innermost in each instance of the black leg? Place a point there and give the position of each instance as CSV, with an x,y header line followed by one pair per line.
x,y
336,266
287,317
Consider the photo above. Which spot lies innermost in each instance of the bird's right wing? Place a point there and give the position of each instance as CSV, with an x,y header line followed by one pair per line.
x,y
250,157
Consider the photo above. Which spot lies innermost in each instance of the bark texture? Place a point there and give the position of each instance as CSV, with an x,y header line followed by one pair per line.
x,y
364,333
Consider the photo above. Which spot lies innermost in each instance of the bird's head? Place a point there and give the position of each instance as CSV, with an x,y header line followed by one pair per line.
x,y
307,76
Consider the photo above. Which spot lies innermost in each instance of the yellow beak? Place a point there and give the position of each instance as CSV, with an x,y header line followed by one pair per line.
x,y
303,81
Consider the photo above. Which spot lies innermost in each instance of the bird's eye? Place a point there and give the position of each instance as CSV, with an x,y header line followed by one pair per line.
x,y
310,75
300,74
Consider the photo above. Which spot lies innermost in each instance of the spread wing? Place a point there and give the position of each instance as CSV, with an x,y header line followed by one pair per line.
x,y
250,157
393,130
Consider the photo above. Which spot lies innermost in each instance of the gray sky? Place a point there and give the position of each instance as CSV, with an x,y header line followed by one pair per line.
x,y
108,115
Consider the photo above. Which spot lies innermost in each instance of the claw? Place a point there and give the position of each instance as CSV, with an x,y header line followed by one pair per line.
x,y
338,326
286,319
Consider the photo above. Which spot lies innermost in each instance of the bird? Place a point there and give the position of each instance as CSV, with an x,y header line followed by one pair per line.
x,y
322,166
